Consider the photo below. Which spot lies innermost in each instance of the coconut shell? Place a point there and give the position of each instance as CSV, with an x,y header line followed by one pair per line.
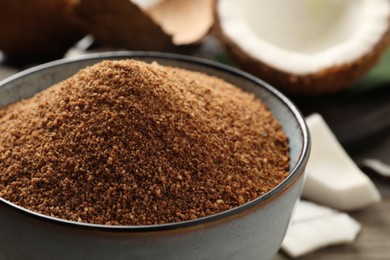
x,y
119,23
36,29
326,81
187,21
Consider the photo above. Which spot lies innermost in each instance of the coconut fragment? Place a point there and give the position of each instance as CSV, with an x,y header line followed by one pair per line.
x,y
314,227
153,25
378,166
306,210
187,21
333,179
305,47
119,23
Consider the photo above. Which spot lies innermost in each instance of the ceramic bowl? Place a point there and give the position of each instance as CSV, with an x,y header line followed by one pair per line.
x,y
252,231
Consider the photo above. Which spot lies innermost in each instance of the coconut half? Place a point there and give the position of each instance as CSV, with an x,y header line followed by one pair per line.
x,y
119,23
153,25
305,47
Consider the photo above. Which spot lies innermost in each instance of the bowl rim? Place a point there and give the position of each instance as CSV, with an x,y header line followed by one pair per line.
x,y
294,173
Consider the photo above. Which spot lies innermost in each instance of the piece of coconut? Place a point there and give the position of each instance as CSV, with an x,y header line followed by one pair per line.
x,y
152,25
378,166
305,47
187,21
333,179
119,23
306,210
314,227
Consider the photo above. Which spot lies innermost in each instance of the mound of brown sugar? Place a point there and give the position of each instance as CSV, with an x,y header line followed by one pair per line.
x,y
131,143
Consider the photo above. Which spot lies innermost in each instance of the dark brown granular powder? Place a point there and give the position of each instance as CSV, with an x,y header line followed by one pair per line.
x,y
130,143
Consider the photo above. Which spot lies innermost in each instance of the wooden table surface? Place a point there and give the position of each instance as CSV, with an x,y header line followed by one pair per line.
x,y
359,121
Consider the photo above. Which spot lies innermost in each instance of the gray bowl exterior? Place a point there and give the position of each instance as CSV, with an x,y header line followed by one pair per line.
x,y
252,231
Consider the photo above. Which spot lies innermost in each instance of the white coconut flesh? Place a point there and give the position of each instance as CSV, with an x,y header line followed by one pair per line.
x,y
304,36
333,179
314,226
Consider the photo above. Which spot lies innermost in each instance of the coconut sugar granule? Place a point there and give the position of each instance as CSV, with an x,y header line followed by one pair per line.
x,y
131,143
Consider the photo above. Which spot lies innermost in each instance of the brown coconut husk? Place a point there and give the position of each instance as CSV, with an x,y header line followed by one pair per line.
x,y
326,81
121,23
36,29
